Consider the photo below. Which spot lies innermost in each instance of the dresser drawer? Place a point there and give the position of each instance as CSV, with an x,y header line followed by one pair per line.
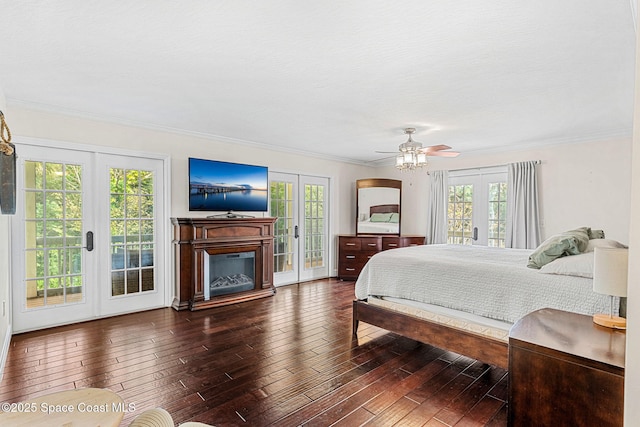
x,y
359,258
391,243
370,243
348,272
412,241
360,243
350,266
349,243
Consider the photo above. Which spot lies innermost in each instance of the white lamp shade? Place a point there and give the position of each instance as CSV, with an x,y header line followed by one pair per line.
x,y
610,271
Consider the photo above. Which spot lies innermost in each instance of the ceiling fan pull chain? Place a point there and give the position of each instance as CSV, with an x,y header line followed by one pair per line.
x,y
5,135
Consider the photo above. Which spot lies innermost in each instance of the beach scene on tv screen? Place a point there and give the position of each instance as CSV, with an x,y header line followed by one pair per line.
x,y
222,186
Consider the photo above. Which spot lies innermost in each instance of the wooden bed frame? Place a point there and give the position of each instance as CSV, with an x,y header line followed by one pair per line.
x,y
483,348
384,209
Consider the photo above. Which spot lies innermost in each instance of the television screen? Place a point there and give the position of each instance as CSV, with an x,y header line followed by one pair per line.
x,y
223,186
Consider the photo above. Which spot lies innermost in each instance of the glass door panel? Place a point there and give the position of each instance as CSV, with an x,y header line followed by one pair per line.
x,y
315,227
497,214
460,214
49,231
314,250
53,233
133,202
131,231
283,206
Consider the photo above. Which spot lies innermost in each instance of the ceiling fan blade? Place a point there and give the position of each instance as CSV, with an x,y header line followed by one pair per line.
x,y
386,152
432,148
443,153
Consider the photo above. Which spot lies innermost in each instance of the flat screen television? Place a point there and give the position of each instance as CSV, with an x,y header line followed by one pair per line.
x,y
222,186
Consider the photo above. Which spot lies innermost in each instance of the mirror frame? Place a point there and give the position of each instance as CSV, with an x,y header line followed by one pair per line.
x,y
378,183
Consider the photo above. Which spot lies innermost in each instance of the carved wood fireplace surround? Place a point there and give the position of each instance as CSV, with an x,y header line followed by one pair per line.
x,y
220,261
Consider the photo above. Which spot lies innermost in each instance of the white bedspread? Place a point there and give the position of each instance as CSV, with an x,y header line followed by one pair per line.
x,y
489,282
377,227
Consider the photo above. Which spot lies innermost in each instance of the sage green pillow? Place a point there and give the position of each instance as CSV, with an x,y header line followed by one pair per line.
x,y
570,242
380,217
395,218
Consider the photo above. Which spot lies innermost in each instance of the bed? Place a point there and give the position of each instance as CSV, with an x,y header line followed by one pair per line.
x,y
382,219
464,298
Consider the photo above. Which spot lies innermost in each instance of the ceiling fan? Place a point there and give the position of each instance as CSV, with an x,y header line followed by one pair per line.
x,y
413,155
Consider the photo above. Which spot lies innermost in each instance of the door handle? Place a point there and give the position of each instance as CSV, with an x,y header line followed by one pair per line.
x,y
296,232
89,246
475,233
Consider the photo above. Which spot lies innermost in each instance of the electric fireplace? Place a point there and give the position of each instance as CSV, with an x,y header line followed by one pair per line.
x,y
221,261
228,273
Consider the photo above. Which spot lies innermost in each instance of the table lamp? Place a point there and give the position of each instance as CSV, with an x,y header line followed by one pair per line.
x,y
610,278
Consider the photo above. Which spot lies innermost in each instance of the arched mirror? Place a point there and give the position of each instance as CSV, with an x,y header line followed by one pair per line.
x,y
378,206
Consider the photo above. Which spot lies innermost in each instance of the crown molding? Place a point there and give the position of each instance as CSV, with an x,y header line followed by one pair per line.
x,y
516,147
545,143
47,108
528,146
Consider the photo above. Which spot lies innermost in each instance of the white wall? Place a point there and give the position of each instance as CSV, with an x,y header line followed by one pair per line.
x,y
632,366
180,146
5,264
583,184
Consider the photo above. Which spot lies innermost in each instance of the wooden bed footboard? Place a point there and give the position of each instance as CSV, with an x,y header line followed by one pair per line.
x,y
485,349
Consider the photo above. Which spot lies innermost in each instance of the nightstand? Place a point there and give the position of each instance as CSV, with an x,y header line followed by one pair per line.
x,y
564,370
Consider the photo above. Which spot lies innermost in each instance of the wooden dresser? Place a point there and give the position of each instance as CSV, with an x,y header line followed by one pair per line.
x,y
355,251
564,370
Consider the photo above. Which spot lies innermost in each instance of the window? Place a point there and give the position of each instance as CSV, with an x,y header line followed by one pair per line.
x,y
477,207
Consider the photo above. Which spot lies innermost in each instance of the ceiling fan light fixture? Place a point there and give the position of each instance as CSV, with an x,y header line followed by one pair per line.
x,y
410,161
410,157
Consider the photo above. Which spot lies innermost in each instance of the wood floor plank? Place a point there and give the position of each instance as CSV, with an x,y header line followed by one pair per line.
x,y
286,360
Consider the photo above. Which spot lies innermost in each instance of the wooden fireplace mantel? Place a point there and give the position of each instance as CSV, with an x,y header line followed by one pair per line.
x,y
195,238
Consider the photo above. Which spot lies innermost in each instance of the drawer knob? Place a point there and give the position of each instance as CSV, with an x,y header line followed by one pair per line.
x,y
350,257
350,269
372,244
350,244
393,244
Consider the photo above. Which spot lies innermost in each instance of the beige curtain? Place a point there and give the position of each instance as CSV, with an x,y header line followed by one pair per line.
x,y
437,208
523,218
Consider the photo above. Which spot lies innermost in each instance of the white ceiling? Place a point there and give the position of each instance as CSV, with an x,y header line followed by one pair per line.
x,y
334,78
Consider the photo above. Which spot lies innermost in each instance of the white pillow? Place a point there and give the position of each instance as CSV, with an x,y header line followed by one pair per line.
x,y
603,243
580,265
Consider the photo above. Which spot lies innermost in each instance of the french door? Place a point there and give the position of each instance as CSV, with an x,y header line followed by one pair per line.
x,y
86,226
301,231
477,208
131,207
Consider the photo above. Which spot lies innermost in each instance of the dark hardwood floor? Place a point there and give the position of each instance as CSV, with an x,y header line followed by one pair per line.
x,y
285,360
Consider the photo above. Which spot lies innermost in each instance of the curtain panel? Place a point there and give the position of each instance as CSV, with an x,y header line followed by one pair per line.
x,y
523,218
437,208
